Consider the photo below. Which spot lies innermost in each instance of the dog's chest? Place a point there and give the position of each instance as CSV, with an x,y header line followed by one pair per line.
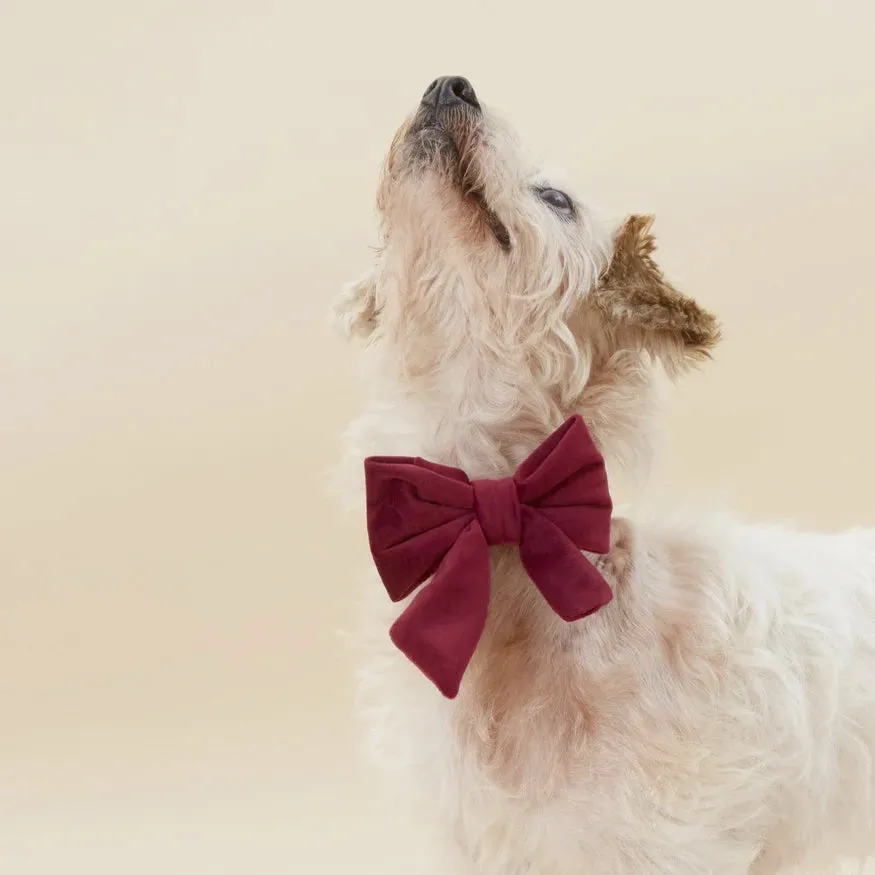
x,y
486,766
481,786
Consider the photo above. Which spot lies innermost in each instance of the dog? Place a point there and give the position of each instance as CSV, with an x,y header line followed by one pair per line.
x,y
718,716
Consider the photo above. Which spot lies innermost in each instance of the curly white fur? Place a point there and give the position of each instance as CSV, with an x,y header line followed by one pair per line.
x,y
719,715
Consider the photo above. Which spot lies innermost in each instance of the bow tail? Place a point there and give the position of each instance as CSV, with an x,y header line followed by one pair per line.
x,y
569,582
440,628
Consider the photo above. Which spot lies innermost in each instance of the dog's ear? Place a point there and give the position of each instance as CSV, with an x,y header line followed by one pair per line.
x,y
638,307
355,311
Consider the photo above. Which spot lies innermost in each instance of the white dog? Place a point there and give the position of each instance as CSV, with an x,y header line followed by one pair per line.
x,y
719,715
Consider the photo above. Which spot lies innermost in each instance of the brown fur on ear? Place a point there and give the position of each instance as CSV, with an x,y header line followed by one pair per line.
x,y
355,311
639,306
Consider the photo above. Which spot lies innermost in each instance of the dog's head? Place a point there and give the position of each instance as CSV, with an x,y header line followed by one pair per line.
x,y
495,285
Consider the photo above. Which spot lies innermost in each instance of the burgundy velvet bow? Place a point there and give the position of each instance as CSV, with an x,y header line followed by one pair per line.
x,y
426,519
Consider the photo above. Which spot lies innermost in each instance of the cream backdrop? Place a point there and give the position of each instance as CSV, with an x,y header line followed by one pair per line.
x,y
184,185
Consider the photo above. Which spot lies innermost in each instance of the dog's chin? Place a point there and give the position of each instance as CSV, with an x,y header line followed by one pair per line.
x,y
436,149
431,144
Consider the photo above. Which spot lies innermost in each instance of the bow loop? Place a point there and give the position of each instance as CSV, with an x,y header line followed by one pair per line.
x,y
427,520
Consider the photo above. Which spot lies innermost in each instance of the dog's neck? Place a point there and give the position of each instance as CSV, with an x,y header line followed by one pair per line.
x,y
486,417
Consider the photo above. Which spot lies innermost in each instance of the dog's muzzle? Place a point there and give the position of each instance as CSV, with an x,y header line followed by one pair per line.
x,y
449,111
444,135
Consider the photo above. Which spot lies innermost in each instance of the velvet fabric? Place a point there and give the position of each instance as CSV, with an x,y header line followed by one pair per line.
x,y
430,521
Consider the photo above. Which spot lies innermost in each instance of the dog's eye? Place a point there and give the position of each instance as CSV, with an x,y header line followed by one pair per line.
x,y
558,200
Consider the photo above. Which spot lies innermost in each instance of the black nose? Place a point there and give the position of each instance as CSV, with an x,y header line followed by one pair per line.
x,y
451,91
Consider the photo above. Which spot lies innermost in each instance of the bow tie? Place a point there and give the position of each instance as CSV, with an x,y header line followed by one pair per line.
x,y
428,520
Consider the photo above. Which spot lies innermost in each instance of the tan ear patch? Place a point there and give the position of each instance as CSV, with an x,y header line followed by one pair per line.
x,y
634,295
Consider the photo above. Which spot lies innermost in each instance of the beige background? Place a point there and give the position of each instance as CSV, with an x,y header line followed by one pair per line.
x,y
183,187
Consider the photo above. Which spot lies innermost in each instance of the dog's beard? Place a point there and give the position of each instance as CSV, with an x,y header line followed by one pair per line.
x,y
450,149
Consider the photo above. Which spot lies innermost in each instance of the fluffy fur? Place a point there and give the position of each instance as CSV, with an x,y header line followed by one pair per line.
x,y
719,715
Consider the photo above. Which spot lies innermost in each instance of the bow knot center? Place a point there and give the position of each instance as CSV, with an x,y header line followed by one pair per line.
x,y
497,506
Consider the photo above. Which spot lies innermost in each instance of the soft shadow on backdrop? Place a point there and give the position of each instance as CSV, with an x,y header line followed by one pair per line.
x,y
183,188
